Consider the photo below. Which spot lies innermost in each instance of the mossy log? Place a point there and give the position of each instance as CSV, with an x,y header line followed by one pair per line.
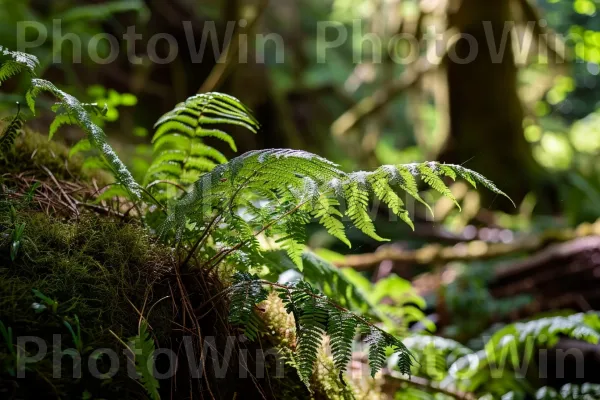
x,y
85,275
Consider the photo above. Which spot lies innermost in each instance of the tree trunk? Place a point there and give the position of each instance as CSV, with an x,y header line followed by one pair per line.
x,y
486,115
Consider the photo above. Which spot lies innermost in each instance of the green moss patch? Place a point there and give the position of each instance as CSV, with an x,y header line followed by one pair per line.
x,y
95,275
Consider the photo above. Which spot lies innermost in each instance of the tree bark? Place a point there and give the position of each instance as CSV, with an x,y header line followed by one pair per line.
x,y
486,115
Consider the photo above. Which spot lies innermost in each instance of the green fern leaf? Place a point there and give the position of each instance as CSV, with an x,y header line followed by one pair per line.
x,y
357,197
183,128
377,344
15,63
10,133
83,145
79,115
341,329
474,177
431,177
312,323
142,346
60,120
291,181
247,291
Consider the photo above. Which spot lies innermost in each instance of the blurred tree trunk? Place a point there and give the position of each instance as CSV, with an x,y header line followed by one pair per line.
x,y
486,115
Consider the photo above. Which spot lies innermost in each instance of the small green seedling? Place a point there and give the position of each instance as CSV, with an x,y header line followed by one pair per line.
x,y
75,335
31,192
7,335
47,302
17,238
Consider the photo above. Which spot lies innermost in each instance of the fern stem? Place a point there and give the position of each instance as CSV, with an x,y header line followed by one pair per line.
x,y
224,253
428,385
158,203
201,239
159,181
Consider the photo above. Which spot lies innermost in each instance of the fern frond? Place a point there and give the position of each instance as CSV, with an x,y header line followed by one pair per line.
x,y
569,392
59,120
247,291
327,214
313,322
474,178
16,62
315,315
547,331
380,182
377,345
304,183
357,197
378,341
10,133
341,329
431,176
142,346
515,343
292,236
78,114
183,128
434,354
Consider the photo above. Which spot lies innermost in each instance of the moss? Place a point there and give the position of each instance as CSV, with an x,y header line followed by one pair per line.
x,y
33,150
100,272
77,270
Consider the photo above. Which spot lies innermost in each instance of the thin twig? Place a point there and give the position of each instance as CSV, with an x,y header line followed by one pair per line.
x,y
201,239
382,97
395,379
223,66
467,251
67,198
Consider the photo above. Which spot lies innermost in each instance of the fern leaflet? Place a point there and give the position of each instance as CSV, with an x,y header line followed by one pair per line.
x,y
246,293
181,155
142,346
71,111
10,133
16,63
315,315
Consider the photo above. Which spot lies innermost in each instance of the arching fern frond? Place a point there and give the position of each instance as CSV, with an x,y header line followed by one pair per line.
x,y
434,355
71,111
316,315
515,344
142,347
569,392
15,62
547,331
180,154
247,291
294,184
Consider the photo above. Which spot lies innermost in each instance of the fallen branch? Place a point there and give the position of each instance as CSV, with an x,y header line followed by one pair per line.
x,y
383,96
226,61
394,380
465,251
